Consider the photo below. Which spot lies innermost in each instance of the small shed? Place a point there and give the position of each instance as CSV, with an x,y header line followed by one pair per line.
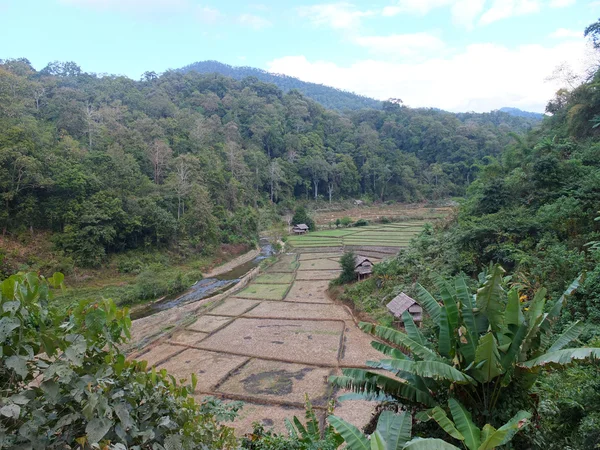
x,y
301,228
402,303
363,267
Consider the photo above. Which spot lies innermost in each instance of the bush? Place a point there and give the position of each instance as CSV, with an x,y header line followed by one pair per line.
x,y
64,382
345,221
347,263
361,223
301,216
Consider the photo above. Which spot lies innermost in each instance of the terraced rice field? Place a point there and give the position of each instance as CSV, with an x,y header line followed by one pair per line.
x,y
389,235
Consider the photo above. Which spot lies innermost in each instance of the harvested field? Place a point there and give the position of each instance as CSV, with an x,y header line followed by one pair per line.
x,y
299,311
233,307
316,275
301,340
371,213
210,367
254,347
308,292
188,337
313,255
208,324
272,380
265,291
275,278
319,264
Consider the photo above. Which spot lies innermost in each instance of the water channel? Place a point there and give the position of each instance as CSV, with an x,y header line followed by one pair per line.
x,y
205,288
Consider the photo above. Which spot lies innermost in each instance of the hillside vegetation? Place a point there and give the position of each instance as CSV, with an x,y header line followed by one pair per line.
x,y
106,164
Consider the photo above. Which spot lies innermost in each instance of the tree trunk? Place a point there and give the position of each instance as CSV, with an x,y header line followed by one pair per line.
x,y
316,183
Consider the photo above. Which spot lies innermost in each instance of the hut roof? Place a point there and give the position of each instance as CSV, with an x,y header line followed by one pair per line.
x,y
360,260
301,226
403,303
364,270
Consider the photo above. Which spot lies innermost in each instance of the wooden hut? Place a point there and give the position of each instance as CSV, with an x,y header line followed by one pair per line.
x,y
363,267
301,228
402,303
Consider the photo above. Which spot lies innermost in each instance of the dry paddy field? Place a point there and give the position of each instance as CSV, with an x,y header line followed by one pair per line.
x,y
281,337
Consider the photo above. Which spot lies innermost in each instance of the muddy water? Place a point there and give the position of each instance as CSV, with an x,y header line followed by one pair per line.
x,y
206,287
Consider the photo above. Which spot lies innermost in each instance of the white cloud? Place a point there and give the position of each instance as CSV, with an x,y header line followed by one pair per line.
x,y
401,44
253,21
504,9
208,14
566,33
464,12
481,78
561,3
338,16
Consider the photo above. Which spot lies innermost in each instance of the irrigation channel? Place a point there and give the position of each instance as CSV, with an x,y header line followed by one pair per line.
x,y
207,287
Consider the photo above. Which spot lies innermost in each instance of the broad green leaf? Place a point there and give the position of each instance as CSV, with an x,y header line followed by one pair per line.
x,y
428,303
374,385
7,325
426,369
562,357
536,308
464,424
440,416
488,298
18,364
518,421
402,340
377,441
353,437
510,357
387,350
569,335
513,315
97,428
11,411
395,429
411,329
429,444
445,336
487,355
486,432
450,306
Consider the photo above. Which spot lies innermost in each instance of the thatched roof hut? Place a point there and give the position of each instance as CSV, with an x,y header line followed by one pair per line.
x,y
301,228
363,267
402,303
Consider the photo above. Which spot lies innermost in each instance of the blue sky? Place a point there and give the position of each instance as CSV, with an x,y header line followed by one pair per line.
x,y
454,54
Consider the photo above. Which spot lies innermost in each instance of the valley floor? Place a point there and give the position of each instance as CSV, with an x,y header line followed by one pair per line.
x,y
269,344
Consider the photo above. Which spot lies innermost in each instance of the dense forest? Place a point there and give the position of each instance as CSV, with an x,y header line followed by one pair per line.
x,y
106,163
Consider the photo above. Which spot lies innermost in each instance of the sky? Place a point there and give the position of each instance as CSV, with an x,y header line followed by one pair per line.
x,y
457,55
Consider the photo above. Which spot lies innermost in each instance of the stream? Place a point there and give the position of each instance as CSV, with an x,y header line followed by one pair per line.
x,y
205,288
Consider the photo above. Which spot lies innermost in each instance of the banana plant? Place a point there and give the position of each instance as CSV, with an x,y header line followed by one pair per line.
x,y
394,431
485,341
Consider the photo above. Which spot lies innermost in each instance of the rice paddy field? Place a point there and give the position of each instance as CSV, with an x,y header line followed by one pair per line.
x,y
385,235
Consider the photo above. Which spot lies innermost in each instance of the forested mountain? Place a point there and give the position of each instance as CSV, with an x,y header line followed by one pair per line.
x,y
107,163
520,113
327,96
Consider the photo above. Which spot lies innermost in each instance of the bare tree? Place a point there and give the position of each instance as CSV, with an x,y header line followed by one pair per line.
x,y
159,154
92,122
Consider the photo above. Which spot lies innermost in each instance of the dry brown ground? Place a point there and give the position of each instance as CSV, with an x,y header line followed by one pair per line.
x,y
371,213
270,353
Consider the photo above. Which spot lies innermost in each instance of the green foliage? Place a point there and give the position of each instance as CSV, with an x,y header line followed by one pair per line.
x,y
348,264
87,393
486,343
361,223
301,216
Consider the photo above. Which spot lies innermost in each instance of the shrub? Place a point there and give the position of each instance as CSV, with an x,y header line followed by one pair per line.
x,y
345,221
64,383
361,223
347,263
301,216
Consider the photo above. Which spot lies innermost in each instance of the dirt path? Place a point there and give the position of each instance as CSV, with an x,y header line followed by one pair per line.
x,y
271,344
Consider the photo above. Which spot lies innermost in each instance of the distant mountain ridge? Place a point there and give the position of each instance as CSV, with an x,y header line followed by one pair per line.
x,y
520,113
329,97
